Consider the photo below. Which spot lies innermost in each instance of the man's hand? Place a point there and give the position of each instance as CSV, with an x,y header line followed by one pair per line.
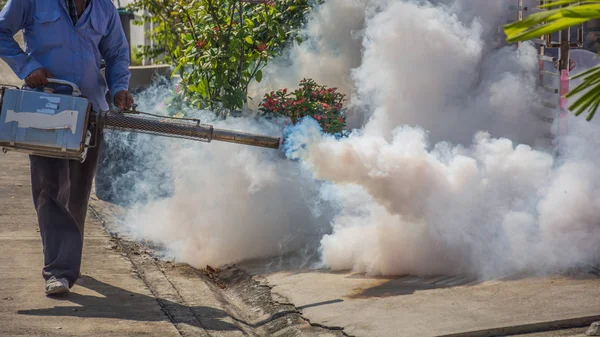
x,y
38,78
123,99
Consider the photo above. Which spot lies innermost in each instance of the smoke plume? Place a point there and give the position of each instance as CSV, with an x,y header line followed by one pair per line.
x,y
448,169
223,203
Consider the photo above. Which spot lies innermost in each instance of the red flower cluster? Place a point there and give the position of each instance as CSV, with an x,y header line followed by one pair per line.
x,y
317,101
261,47
201,43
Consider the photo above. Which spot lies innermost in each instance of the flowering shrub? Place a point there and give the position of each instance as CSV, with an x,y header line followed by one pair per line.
x,y
321,103
220,46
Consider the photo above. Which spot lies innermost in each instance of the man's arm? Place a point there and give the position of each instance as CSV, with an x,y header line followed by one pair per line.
x,y
115,51
14,17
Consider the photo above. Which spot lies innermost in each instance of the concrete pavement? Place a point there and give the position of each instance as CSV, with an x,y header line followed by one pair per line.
x,y
575,332
438,306
110,297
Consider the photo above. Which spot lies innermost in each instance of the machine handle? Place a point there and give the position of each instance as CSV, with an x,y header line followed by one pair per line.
x,y
74,87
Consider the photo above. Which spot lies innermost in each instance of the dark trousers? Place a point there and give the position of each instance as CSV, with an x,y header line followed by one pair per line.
x,y
61,190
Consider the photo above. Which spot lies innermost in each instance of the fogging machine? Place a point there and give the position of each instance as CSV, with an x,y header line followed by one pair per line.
x,y
56,125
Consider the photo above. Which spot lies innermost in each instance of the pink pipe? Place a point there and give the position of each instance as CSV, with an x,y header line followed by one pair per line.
x,y
564,110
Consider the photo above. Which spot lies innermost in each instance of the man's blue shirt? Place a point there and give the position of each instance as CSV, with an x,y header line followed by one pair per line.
x,y
69,52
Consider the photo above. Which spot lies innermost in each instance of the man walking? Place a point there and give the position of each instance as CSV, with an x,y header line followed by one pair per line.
x,y
66,39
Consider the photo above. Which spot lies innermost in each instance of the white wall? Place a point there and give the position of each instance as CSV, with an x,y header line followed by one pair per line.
x,y
137,33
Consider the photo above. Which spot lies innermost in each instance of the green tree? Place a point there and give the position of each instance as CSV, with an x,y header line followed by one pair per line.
x,y
559,15
218,47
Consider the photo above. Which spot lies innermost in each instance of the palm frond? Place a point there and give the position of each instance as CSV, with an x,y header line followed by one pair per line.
x,y
562,14
550,21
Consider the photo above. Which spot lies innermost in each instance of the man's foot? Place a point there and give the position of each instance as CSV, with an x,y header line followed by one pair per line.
x,y
56,286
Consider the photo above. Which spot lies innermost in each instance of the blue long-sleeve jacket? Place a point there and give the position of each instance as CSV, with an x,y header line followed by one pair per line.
x,y
71,53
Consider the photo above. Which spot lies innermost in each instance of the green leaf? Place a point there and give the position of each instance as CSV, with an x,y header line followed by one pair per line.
x,y
176,69
249,40
555,3
556,20
202,89
228,101
258,76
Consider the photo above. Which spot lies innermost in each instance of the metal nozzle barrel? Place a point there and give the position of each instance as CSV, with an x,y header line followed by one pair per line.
x,y
245,138
181,128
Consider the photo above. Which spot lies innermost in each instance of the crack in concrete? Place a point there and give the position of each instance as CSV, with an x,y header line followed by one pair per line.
x,y
282,314
256,293
332,328
298,311
322,326
268,320
183,301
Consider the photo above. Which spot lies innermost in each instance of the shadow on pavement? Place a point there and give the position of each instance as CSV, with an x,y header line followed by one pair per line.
x,y
392,288
407,285
318,304
122,304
